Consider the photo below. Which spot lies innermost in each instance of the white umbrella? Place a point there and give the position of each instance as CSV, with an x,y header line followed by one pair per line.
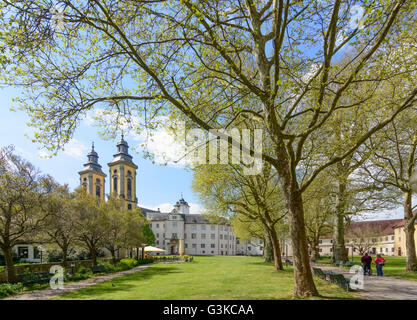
x,y
153,249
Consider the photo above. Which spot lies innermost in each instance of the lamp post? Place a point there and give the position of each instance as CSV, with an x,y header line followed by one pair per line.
x,y
41,248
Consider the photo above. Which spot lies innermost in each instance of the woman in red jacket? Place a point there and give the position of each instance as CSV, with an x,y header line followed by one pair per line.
x,y
379,261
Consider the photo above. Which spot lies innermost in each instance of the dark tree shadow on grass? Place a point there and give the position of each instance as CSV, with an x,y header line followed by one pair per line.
x,y
121,284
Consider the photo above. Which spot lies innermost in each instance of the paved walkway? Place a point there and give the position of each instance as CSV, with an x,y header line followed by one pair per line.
x,y
380,288
46,294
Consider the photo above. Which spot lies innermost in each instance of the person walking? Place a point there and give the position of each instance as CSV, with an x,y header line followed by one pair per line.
x,y
366,261
379,261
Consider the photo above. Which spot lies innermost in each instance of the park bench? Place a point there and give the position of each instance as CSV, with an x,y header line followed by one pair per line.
x,y
337,279
33,278
319,273
288,262
340,280
349,264
98,269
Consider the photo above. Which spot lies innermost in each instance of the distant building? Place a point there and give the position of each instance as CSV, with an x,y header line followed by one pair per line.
x,y
196,234
374,237
399,234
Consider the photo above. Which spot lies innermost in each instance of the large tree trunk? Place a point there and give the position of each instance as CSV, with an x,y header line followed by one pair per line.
x,y
268,253
411,261
339,252
303,278
10,269
315,248
304,283
113,254
93,253
276,249
64,255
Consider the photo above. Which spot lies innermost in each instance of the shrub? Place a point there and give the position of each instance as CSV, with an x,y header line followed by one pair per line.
x,y
84,270
144,261
185,257
108,266
126,264
54,256
10,289
82,274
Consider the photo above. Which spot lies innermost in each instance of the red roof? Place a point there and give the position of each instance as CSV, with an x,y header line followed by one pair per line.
x,y
379,227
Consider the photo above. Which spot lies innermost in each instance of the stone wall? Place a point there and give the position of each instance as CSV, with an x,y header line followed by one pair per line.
x,y
45,267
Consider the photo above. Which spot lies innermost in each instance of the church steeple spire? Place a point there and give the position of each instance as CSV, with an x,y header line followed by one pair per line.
x,y
92,177
123,175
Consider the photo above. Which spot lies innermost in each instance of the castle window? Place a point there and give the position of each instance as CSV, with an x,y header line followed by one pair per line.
x,y
129,206
98,191
129,188
115,184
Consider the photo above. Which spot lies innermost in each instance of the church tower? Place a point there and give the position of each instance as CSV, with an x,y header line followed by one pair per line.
x,y
92,179
123,175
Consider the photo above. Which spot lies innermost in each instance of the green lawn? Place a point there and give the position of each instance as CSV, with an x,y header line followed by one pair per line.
x,y
394,266
208,278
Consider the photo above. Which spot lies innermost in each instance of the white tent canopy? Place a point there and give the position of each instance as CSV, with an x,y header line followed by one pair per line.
x,y
153,249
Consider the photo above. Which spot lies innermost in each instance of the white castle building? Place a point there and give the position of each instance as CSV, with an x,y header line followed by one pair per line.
x,y
195,234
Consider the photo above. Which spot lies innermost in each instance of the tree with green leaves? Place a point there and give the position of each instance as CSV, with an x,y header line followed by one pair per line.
x,y
90,222
392,166
60,224
258,198
213,63
319,210
115,225
22,194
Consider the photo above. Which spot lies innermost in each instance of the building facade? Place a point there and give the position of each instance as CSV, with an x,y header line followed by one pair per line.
x,y
375,237
192,233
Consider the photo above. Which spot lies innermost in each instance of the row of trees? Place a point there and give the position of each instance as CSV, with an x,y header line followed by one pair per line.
x,y
36,209
320,77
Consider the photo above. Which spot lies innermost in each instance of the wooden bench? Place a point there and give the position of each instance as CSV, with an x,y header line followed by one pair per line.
x,y
33,278
335,278
340,280
288,262
98,269
319,273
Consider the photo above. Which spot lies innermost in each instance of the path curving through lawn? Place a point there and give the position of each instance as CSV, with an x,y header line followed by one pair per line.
x,y
46,294
380,288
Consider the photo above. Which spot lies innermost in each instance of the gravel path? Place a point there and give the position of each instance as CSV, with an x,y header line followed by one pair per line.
x,y
380,288
46,294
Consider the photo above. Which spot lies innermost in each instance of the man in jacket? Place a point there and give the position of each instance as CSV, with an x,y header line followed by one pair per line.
x,y
366,261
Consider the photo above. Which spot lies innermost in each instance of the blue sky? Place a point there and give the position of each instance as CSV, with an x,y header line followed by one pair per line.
x,y
157,185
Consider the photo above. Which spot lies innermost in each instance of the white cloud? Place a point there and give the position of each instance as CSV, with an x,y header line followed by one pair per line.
x,y
43,155
75,148
195,208
166,148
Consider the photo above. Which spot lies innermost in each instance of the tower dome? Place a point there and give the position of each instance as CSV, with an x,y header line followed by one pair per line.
x,y
182,206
